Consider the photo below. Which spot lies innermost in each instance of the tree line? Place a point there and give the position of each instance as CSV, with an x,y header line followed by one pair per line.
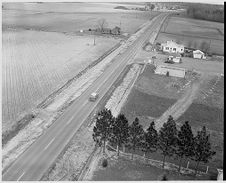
x,y
206,12
168,140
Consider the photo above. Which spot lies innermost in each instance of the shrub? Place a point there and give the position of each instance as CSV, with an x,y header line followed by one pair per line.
x,y
105,163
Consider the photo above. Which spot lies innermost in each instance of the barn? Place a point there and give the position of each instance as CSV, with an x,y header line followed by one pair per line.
x,y
172,71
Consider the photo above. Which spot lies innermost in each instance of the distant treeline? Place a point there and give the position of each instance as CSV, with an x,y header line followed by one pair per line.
x,y
206,12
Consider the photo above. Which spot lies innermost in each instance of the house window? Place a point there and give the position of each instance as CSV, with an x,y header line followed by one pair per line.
x,y
167,48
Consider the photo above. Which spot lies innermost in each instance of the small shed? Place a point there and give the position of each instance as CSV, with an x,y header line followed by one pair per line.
x,y
171,71
198,54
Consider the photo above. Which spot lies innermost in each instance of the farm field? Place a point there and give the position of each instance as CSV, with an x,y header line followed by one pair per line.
x,y
41,50
52,17
193,33
37,63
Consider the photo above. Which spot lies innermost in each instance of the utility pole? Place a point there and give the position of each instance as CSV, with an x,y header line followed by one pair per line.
x,y
94,41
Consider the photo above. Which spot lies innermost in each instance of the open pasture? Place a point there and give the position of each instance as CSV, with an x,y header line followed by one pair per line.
x,y
193,33
36,63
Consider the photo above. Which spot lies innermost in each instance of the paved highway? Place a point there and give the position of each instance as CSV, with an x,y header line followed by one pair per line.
x,y
36,160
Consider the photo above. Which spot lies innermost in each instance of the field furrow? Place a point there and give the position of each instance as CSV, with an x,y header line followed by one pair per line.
x,y
36,63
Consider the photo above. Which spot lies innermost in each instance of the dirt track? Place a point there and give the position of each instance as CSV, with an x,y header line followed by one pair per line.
x,y
180,106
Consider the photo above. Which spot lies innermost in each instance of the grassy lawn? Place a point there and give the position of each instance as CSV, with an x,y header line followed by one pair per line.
x,y
125,170
201,115
142,104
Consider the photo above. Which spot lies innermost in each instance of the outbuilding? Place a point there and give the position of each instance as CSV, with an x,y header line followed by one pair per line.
x,y
198,54
170,71
116,31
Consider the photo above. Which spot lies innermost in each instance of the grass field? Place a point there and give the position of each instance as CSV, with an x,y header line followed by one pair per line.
x,y
123,169
193,33
208,109
142,105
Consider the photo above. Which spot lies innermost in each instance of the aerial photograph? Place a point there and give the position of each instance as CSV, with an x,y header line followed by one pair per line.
x,y
112,91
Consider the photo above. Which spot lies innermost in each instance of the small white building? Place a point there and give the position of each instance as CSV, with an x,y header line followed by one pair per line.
x,y
175,59
220,175
198,54
172,71
172,47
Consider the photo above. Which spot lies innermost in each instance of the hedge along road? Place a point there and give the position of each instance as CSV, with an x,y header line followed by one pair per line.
x,y
36,160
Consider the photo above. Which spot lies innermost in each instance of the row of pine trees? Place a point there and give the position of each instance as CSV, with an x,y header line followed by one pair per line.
x,y
168,140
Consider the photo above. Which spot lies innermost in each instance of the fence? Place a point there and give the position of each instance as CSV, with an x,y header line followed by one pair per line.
x,y
186,168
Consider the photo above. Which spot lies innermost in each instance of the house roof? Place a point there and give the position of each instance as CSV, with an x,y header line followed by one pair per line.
x,y
172,44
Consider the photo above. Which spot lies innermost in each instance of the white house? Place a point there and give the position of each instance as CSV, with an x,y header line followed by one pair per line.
x,y
198,54
172,47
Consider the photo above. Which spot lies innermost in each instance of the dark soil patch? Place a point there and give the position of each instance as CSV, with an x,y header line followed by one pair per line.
x,y
142,104
199,115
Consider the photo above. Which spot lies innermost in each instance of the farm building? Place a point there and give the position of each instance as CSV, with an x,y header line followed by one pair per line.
x,y
116,31
172,71
198,54
176,59
172,47
106,31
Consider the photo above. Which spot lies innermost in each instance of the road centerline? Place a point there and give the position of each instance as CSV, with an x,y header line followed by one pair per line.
x,y
20,176
49,143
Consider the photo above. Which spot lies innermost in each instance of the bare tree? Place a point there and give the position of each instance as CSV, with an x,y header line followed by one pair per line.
x,y
102,23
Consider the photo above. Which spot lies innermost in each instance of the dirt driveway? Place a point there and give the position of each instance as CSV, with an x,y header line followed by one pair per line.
x,y
180,106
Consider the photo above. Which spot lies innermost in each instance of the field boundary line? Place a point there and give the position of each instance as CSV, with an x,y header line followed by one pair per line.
x,y
193,36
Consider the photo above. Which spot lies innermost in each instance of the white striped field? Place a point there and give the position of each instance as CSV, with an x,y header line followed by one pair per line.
x,y
36,63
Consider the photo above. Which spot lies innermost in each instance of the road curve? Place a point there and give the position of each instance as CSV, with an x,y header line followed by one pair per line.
x,y
35,161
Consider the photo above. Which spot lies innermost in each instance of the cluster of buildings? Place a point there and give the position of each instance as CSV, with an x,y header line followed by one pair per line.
x,y
175,51
114,31
179,49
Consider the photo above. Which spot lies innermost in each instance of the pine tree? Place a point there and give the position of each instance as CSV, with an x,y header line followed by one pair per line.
x,y
185,142
136,134
168,139
120,131
150,140
202,148
102,128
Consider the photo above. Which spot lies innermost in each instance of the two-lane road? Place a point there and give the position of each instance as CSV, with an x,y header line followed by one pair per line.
x,y
36,160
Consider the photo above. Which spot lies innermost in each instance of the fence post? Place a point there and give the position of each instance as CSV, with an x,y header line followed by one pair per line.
x,y
187,165
207,168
